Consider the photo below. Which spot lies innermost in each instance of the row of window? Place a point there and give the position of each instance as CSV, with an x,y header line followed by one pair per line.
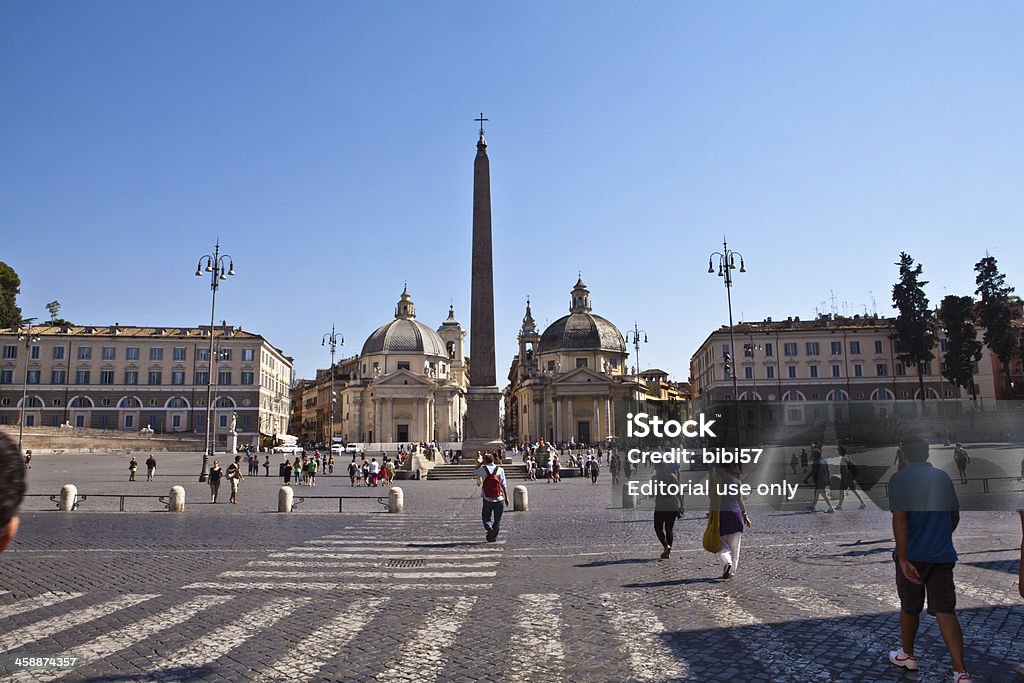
x,y
811,348
156,353
130,377
881,370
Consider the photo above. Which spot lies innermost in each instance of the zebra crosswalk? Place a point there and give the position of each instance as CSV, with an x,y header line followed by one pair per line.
x,y
373,551
401,637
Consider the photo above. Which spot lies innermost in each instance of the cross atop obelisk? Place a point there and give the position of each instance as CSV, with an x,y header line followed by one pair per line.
x,y
482,428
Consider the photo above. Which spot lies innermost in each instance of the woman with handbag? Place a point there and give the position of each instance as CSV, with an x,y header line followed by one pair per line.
x,y
732,517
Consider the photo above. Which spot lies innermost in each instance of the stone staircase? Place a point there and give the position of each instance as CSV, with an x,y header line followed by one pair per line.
x,y
448,472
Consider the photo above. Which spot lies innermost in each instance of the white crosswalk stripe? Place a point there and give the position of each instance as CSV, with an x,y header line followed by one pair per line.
x,y
365,565
372,549
535,651
440,544
640,631
330,639
38,602
117,640
330,586
48,627
183,662
425,652
354,574
339,555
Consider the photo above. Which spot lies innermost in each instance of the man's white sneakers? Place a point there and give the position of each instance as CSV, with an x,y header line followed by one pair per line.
x,y
901,658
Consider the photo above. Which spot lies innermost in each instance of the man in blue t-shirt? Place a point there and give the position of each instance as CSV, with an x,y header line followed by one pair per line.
x,y
925,511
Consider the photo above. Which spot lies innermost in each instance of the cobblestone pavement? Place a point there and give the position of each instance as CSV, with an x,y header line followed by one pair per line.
x,y
573,590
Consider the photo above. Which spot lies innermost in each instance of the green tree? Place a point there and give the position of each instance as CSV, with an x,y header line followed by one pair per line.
x,y
54,308
996,312
10,287
963,349
914,336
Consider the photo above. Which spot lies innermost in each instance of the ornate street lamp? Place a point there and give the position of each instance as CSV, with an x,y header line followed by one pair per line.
x,y
726,264
333,339
214,265
25,335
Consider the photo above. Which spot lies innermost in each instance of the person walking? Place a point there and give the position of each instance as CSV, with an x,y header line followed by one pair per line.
x,y
961,459
494,495
234,475
668,506
213,478
150,467
286,470
848,472
733,517
266,466
793,462
556,468
595,469
312,471
821,476
12,488
353,470
925,512
297,471
133,466
803,459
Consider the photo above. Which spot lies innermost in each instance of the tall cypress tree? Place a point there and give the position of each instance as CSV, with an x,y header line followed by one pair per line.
x,y
10,286
963,349
915,338
995,312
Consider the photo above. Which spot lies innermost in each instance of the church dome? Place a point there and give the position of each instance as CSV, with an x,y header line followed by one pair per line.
x,y
581,330
404,334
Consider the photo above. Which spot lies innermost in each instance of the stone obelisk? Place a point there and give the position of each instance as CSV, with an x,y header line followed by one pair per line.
x,y
482,429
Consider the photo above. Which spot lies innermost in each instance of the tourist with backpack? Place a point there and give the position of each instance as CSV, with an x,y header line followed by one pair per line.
x,y
494,494
848,472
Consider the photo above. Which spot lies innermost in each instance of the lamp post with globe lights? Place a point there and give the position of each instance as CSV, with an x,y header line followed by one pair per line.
x,y
214,264
726,264
332,339
25,335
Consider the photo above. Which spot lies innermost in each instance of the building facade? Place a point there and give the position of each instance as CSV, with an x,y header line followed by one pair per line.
x,y
565,382
408,384
130,378
816,367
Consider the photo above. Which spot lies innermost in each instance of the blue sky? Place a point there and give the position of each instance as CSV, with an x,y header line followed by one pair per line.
x,y
329,145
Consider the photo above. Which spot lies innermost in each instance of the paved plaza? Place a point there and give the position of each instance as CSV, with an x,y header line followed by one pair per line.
x,y
572,591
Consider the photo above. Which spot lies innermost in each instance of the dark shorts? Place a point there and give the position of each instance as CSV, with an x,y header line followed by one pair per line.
x,y
937,584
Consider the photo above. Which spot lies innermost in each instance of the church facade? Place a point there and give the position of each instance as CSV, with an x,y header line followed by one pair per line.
x,y
408,383
566,380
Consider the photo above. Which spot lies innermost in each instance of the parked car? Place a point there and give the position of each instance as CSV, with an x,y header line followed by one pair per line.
x,y
288,448
351,448
337,449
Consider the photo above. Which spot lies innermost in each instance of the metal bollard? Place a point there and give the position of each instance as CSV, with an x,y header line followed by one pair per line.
x,y
176,502
284,499
68,496
396,500
520,499
628,501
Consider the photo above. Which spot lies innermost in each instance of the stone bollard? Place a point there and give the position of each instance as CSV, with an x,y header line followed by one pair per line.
x,y
628,501
520,499
68,497
396,500
285,495
176,503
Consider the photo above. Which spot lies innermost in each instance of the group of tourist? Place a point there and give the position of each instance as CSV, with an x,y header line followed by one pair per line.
x,y
372,473
304,470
